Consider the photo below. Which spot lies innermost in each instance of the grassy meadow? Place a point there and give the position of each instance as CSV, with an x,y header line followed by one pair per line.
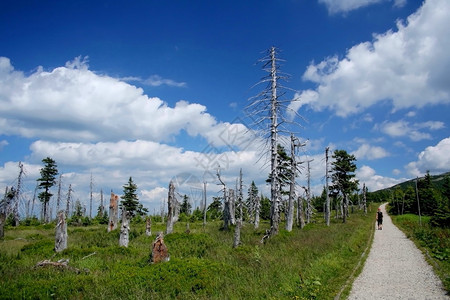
x,y
310,263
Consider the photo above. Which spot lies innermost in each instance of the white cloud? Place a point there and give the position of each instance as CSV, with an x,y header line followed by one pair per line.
x,y
413,131
155,81
343,6
436,159
72,103
339,6
366,151
408,66
375,182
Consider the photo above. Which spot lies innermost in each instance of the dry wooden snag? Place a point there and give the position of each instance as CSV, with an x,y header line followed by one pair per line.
x,y
113,212
61,232
125,228
159,251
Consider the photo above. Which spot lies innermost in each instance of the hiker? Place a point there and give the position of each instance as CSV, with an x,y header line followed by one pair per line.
x,y
380,219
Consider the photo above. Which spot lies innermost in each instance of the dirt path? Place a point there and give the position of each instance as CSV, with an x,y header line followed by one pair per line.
x,y
396,269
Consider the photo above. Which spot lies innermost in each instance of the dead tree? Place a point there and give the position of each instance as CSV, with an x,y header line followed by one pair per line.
x,y
240,196
267,111
300,216
34,199
125,228
69,200
365,199
232,206
295,143
61,236
257,210
204,204
327,190
148,226
16,200
91,186
226,203
58,196
171,208
308,194
237,234
113,212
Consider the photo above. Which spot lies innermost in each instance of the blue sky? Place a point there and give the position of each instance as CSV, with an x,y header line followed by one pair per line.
x,y
157,90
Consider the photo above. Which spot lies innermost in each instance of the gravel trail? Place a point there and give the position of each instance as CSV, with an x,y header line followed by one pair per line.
x,y
396,269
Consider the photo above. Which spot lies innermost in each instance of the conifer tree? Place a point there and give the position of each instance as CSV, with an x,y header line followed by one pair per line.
x,y
47,180
130,199
343,177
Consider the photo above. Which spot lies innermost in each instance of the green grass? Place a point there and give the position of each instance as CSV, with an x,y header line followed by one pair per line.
x,y
434,242
310,263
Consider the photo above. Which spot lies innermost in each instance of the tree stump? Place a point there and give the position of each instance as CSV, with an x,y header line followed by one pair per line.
x,y
159,251
125,228
113,212
61,232
148,227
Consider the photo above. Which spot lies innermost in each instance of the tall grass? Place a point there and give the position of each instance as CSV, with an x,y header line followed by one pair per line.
x,y
433,241
309,263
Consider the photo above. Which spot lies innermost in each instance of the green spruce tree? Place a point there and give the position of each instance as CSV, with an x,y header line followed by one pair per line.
x,y
46,181
130,199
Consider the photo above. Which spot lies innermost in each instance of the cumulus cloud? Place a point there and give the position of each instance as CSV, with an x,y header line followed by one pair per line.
x,y
409,66
366,151
375,182
413,131
72,103
435,159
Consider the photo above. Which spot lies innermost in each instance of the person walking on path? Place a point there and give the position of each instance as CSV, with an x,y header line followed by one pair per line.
x,y
379,219
396,269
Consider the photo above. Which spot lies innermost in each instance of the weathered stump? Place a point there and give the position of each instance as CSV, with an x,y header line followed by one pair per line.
x,y
148,227
61,232
159,251
125,228
113,212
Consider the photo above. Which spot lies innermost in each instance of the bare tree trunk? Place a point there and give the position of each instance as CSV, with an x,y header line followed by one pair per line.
x,y
327,205
58,196
290,208
170,208
226,211
257,209
90,198
226,203
345,208
204,204
275,213
61,236
237,234
308,195
232,206
17,196
148,227
113,212
125,228
69,194
364,199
